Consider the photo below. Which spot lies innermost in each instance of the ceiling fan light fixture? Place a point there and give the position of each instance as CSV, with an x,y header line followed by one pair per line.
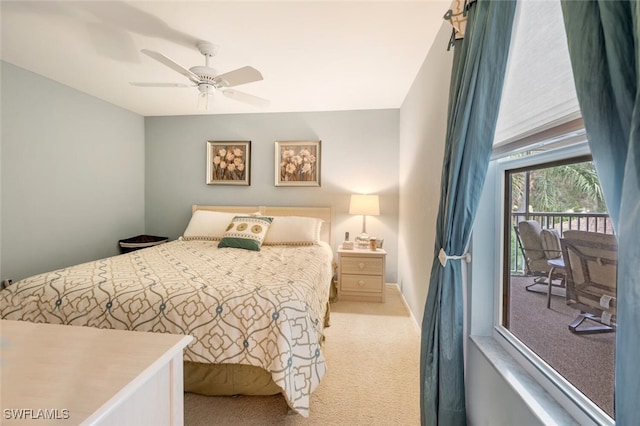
x,y
206,88
205,97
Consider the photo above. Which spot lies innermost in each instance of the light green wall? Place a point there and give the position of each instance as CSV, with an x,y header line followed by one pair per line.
x,y
77,174
423,121
72,175
359,154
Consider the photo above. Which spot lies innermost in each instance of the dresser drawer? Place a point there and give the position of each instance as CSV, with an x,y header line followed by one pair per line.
x,y
361,283
361,265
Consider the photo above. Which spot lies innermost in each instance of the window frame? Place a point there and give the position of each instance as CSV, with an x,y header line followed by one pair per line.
x,y
506,213
487,273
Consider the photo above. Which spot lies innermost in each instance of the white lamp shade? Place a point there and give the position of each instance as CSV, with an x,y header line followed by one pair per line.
x,y
365,204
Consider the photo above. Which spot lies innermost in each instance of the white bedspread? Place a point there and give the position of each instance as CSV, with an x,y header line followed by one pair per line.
x,y
264,309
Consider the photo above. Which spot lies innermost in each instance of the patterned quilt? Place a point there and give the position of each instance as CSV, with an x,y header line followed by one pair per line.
x,y
264,308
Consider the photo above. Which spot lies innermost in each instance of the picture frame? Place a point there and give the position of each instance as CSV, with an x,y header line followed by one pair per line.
x,y
297,163
228,163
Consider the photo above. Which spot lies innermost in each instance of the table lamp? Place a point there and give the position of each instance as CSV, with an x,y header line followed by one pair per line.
x,y
366,205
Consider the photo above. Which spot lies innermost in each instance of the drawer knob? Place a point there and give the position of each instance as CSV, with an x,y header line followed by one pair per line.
x,y
361,265
361,283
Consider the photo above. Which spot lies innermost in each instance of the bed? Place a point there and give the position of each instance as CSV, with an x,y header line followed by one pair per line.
x,y
250,284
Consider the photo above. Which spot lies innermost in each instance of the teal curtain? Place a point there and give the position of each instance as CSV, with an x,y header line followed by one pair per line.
x,y
603,38
476,87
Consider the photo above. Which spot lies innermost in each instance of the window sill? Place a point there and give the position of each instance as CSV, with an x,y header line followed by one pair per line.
x,y
540,402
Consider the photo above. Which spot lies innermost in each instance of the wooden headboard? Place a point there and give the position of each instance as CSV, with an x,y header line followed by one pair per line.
x,y
324,213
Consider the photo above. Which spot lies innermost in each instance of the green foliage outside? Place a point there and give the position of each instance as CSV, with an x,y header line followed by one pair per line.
x,y
568,188
571,188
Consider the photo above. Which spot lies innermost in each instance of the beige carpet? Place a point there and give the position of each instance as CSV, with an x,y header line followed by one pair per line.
x,y
372,352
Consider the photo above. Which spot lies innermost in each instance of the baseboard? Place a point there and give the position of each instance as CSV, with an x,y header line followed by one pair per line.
x,y
415,322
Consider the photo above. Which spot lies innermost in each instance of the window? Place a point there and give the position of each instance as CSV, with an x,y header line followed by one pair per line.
x,y
491,312
540,141
558,196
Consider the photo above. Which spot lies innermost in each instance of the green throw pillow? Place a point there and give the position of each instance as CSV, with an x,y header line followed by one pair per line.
x,y
246,232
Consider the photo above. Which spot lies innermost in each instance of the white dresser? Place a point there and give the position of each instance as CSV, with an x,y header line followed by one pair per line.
x,y
71,375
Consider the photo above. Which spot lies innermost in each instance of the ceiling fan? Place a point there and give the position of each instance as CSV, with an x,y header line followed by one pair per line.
x,y
207,79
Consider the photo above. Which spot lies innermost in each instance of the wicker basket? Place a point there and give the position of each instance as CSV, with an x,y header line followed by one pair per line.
x,y
139,242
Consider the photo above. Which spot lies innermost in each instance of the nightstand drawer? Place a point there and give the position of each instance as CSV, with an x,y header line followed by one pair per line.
x,y
361,275
361,283
361,265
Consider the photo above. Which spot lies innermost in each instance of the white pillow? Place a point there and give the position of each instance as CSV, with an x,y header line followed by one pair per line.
x,y
293,230
207,225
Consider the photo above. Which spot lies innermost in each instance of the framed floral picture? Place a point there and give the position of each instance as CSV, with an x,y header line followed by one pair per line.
x,y
228,163
297,163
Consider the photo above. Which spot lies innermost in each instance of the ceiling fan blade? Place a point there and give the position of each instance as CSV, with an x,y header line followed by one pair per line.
x,y
171,64
246,98
159,84
240,76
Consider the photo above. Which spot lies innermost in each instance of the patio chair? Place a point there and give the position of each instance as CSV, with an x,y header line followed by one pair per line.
x,y
591,263
543,256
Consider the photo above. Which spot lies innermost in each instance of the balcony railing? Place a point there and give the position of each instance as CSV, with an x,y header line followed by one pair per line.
x,y
590,222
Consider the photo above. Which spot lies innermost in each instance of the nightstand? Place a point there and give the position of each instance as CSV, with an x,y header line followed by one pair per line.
x,y
361,274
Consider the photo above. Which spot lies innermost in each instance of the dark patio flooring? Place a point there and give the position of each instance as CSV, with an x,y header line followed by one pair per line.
x,y
585,360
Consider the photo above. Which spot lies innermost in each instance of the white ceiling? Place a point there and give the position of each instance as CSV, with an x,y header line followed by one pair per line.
x,y
314,55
